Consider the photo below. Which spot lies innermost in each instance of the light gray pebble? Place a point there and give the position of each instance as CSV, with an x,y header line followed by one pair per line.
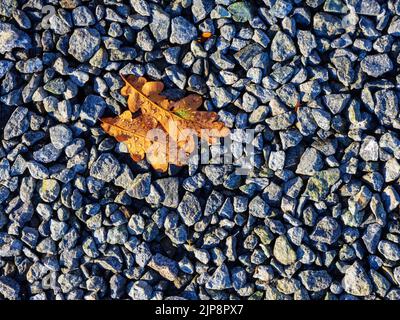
x,y
84,43
182,31
105,168
189,209
356,281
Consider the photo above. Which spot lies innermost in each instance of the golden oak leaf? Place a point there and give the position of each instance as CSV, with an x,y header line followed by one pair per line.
x,y
139,135
180,119
166,131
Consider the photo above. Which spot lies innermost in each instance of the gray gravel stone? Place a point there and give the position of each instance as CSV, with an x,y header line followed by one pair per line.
x,y
318,186
141,7
376,65
315,280
326,231
356,281
310,162
391,170
394,26
336,102
327,25
5,67
201,9
140,290
92,109
166,267
389,250
17,124
29,66
139,188
306,41
47,154
82,16
371,237
9,288
247,54
241,11
182,31
49,190
168,188
117,235
12,38
84,43
189,209
220,279
282,47
4,170
369,150
369,7
160,23
390,198
258,207
8,7
60,136
105,168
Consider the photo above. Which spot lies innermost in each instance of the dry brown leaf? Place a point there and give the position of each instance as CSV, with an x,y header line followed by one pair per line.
x,y
180,119
204,36
134,133
176,117
297,106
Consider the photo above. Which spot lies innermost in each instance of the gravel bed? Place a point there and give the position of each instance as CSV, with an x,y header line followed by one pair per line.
x,y
317,218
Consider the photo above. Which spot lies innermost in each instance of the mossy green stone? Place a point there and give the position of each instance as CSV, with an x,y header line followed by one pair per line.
x,y
352,220
55,86
336,6
318,185
331,176
258,295
49,190
240,11
99,59
317,188
264,234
